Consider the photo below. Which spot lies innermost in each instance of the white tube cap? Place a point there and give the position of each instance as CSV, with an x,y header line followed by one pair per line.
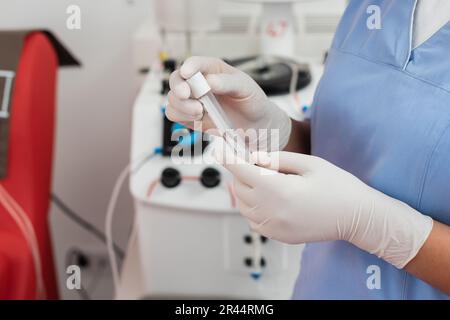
x,y
198,84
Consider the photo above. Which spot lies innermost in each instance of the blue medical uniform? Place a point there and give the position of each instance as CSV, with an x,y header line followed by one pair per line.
x,y
381,112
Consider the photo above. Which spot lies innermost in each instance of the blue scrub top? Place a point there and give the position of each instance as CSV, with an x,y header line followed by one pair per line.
x,y
381,112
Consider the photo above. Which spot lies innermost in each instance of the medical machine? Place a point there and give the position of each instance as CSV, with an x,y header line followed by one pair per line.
x,y
278,26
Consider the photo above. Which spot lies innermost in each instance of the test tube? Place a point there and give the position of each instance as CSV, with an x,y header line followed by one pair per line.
x,y
201,90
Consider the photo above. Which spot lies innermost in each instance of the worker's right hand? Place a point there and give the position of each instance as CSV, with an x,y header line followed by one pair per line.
x,y
242,99
296,198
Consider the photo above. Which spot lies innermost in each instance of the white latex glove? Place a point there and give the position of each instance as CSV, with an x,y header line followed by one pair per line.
x,y
310,200
243,100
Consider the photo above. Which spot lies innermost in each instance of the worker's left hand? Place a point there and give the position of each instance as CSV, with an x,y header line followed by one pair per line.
x,y
308,199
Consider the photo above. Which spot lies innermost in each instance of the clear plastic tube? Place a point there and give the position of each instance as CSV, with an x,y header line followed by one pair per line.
x,y
224,125
216,113
201,91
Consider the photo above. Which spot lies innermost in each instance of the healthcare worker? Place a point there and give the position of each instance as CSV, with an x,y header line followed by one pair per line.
x,y
372,202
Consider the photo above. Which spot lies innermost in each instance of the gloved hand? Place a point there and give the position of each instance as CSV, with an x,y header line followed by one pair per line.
x,y
243,100
309,199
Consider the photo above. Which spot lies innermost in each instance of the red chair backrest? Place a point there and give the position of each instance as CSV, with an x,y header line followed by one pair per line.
x,y
31,148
